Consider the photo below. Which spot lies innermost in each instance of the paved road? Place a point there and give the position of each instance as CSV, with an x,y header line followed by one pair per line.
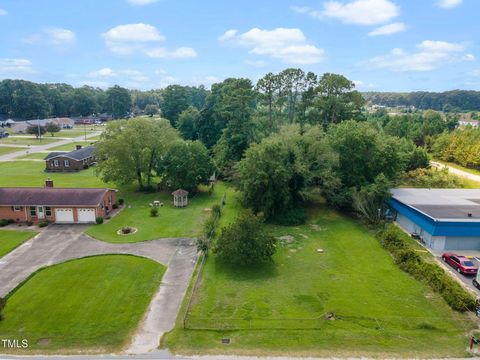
x,y
45,147
465,280
453,170
59,243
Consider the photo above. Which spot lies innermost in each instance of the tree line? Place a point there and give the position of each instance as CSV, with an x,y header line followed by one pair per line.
x,y
448,101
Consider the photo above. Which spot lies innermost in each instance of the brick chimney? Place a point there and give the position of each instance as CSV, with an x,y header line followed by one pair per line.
x,y
49,183
78,147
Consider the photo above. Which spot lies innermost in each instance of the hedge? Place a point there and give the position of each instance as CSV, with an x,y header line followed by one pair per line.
x,y
397,243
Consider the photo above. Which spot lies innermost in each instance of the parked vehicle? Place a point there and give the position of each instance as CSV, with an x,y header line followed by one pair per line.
x,y
460,263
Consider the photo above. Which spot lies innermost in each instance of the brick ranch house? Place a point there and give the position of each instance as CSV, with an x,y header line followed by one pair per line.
x,y
78,159
58,205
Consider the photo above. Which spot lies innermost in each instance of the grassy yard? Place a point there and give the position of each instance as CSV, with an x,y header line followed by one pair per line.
x,y
171,221
88,305
281,308
71,146
7,150
31,173
34,156
10,239
71,133
28,140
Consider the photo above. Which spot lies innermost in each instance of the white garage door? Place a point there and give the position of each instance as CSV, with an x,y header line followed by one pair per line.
x,y
86,215
64,215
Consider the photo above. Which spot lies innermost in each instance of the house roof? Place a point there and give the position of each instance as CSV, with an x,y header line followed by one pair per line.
x,y
180,192
51,196
79,154
442,204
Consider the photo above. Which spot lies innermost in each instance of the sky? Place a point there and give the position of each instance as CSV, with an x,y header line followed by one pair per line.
x,y
381,45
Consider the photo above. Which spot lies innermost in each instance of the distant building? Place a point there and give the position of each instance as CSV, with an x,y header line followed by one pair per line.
x,y
79,159
444,219
180,198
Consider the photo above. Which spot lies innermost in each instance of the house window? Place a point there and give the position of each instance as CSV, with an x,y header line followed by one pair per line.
x,y
17,208
66,163
33,211
48,211
56,163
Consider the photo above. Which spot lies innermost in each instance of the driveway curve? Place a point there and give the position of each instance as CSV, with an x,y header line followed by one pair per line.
x,y
60,243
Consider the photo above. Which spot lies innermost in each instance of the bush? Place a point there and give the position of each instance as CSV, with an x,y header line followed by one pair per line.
x,y
99,220
121,201
209,227
292,217
396,242
29,223
10,221
115,206
245,242
126,230
154,211
3,222
43,223
217,210
3,302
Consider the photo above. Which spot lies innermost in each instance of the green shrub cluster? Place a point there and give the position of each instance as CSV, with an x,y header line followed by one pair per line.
x,y
292,217
210,227
43,223
396,242
3,222
2,305
99,220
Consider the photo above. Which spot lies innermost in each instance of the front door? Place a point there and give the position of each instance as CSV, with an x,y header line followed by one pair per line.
x,y
40,212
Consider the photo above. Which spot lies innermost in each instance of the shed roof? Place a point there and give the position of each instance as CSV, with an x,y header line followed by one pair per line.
x,y
22,196
180,192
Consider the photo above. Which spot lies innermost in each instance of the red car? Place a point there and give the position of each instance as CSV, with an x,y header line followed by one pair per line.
x,y
460,263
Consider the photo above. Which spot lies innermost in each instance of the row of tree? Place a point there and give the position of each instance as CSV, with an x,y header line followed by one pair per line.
x,y
461,146
455,100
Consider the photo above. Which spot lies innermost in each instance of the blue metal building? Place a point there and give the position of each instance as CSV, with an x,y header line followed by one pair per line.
x,y
445,219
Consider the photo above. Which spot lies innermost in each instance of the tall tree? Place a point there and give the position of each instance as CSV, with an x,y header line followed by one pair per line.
x,y
268,87
188,122
148,140
118,101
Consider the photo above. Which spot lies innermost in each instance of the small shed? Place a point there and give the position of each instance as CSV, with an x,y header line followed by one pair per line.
x,y
180,198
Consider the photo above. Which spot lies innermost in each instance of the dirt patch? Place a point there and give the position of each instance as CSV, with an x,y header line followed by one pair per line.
x,y
287,238
43,342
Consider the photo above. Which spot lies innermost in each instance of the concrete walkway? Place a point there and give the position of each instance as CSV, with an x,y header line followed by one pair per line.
x,y
455,171
45,147
59,243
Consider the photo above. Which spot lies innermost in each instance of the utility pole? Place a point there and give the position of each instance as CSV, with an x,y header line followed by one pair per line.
x,y
38,129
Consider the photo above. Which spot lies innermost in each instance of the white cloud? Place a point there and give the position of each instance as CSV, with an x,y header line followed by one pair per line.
x,y
475,72
141,2
388,29
362,85
52,36
358,12
3,12
142,38
11,67
288,45
104,72
448,4
429,56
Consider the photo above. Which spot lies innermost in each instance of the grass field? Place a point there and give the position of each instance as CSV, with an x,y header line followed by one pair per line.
x,y
31,173
28,141
71,133
34,156
71,146
7,150
10,239
171,221
88,305
280,308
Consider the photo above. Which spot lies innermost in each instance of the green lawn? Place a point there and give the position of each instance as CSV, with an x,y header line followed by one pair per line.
x,y
171,221
28,141
71,146
72,133
88,305
10,239
7,150
31,173
34,156
280,308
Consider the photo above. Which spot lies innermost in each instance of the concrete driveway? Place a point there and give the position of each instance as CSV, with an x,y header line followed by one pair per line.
x,y
59,243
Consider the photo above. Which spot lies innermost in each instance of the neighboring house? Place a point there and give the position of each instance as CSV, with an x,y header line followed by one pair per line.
x,y
466,120
19,127
444,219
59,205
79,159
64,123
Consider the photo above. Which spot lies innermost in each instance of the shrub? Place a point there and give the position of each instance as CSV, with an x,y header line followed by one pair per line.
x,y
395,241
202,244
115,206
43,223
10,221
209,227
29,223
99,220
154,211
217,210
245,242
121,201
292,217
3,222
2,305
